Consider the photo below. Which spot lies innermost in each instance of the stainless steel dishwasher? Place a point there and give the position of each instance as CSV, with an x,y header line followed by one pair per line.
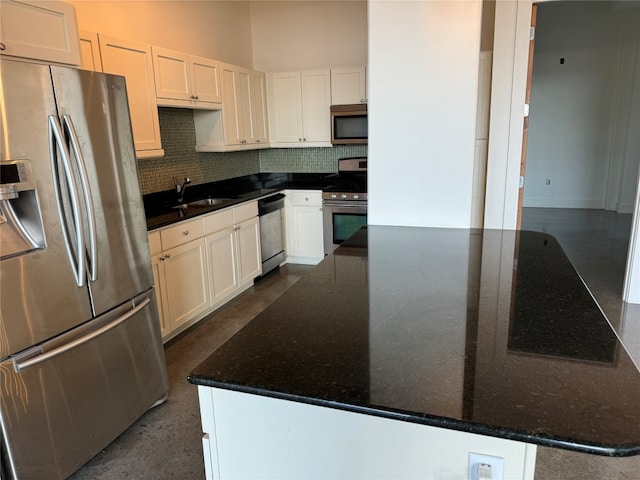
x,y
271,231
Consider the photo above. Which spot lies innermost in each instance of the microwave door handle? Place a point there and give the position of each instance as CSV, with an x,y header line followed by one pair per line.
x,y
11,218
57,145
87,197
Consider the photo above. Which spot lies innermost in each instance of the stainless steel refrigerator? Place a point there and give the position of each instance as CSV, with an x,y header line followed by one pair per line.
x,y
81,356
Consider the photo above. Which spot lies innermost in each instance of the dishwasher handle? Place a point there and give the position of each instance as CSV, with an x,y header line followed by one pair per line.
x,y
271,204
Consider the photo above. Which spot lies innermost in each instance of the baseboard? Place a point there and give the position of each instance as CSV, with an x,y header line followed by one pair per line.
x,y
562,203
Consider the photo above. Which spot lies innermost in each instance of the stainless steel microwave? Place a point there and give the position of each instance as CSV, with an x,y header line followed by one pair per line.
x,y
349,124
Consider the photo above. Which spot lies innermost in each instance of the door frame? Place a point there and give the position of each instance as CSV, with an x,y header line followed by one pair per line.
x,y
506,129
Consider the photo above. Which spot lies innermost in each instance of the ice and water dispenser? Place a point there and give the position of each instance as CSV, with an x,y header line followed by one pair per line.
x,y
21,227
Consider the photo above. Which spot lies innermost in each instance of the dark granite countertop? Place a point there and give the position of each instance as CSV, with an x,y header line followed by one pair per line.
x,y
489,332
159,206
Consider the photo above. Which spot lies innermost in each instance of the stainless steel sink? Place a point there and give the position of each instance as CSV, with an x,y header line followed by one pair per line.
x,y
206,202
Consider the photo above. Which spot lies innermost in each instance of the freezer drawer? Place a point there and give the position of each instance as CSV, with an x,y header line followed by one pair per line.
x,y
58,413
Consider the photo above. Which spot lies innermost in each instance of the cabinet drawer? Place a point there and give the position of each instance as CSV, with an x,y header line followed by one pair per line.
x,y
218,221
245,212
155,244
182,233
309,198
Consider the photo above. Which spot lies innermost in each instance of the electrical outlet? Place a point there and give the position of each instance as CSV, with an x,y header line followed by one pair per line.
x,y
478,469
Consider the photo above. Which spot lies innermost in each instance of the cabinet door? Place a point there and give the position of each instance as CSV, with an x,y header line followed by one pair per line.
x,y
316,103
221,256
133,60
157,264
259,117
305,232
90,51
205,80
230,99
243,90
348,86
249,257
187,281
285,107
41,30
171,74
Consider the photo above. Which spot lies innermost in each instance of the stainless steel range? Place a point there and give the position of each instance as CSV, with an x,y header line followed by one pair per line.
x,y
344,204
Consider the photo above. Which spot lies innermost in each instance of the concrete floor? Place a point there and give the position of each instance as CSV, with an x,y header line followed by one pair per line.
x,y
166,442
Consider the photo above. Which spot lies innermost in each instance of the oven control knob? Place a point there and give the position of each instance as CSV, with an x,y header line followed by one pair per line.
x,y
356,196
344,196
333,195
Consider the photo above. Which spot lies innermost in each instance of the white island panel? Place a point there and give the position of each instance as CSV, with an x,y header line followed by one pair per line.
x,y
251,436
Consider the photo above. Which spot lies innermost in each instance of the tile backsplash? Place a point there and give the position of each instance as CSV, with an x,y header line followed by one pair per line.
x,y
307,160
181,160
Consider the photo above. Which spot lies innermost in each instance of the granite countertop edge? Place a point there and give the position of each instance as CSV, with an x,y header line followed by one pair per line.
x,y
164,214
429,420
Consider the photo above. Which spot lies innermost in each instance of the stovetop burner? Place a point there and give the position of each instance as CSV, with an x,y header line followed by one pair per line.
x,y
351,183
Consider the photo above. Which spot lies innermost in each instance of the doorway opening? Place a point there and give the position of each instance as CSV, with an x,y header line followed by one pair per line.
x,y
582,155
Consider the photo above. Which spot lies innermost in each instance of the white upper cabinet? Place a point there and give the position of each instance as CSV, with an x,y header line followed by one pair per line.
x,y
348,85
242,123
236,88
285,107
299,104
90,51
259,116
41,30
133,60
183,80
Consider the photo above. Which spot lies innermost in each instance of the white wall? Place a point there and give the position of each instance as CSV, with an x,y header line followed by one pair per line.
x,y
423,73
295,35
215,29
580,109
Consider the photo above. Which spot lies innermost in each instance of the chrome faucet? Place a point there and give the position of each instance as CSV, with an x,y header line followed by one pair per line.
x,y
181,187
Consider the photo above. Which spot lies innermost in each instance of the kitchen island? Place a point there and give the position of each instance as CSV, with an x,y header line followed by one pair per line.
x,y
409,348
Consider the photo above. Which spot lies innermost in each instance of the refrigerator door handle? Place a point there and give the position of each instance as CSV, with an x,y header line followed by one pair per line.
x,y
86,193
33,361
57,144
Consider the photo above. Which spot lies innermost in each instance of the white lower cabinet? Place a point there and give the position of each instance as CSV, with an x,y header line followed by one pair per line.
x,y
305,242
180,274
233,248
200,264
186,283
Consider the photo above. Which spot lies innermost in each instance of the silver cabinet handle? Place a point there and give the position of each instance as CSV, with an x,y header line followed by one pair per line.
x,y
56,144
86,193
19,366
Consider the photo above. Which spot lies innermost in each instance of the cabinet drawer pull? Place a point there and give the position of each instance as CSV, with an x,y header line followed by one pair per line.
x,y
185,233
3,47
